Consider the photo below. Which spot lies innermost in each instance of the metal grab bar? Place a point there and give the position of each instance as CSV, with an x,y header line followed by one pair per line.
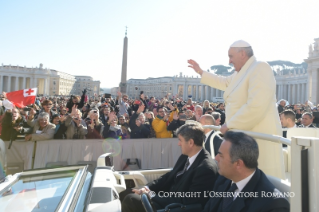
x,y
272,138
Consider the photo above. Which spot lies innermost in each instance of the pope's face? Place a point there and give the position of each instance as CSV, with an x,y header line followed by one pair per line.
x,y
237,58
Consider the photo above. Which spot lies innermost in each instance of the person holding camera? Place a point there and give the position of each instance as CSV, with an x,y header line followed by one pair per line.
x,y
13,124
111,128
179,119
76,127
189,105
139,129
137,103
94,125
76,100
60,127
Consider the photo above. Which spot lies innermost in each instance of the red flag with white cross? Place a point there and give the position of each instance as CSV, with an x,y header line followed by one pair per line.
x,y
22,98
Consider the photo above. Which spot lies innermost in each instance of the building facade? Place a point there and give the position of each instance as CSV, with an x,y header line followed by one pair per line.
x,y
181,86
292,87
48,81
86,82
313,72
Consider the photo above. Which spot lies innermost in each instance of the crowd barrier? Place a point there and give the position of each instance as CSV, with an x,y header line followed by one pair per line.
x,y
151,153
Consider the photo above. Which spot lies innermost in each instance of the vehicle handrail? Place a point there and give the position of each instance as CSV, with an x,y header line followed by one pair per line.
x,y
272,138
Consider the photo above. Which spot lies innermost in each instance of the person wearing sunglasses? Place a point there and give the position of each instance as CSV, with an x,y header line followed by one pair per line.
x,y
47,107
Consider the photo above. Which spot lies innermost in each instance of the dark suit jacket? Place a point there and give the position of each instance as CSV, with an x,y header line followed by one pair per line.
x,y
258,183
200,177
217,142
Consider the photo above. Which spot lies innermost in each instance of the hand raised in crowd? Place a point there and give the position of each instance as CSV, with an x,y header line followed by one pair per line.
x,y
171,106
112,117
140,108
62,118
194,65
31,113
119,93
74,108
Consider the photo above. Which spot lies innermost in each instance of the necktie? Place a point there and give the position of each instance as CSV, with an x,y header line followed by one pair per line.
x,y
228,200
184,170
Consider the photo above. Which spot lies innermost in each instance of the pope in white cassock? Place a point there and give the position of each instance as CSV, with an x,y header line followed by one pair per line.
x,y
250,100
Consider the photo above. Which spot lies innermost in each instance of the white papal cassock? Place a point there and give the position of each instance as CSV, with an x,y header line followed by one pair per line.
x,y
250,101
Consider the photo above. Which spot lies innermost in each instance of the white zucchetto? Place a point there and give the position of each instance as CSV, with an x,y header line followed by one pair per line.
x,y
240,43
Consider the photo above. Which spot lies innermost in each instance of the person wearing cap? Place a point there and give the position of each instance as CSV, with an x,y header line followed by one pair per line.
x,y
250,101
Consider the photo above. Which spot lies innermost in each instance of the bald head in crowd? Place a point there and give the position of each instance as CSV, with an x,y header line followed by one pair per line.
x,y
207,119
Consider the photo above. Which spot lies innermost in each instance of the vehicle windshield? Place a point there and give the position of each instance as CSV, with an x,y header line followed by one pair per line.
x,y
36,192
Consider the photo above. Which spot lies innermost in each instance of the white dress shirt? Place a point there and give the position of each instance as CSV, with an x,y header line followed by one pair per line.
x,y
192,159
241,184
207,135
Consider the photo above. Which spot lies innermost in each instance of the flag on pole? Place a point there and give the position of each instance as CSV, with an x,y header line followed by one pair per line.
x,y
22,98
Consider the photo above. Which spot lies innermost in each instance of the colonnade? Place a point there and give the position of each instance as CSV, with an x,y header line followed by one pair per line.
x,y
14,83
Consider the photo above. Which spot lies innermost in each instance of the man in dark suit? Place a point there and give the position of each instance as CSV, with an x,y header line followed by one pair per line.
x,y
306,120
237,163
194,173
210,134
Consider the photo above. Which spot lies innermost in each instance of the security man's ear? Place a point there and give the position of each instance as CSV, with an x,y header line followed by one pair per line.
x,y
191,141
240,163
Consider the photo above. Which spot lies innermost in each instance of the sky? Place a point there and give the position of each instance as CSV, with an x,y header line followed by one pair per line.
x,y
86,37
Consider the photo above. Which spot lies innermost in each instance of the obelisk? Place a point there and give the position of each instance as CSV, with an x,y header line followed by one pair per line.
x,y
124,65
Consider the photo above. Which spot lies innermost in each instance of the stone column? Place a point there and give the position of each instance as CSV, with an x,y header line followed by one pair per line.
x,y
1,83
197,92
315,87
192,92
16,86
299,91
309,86
176,89
289,99
185,91
211,94
24,83
9,84
45,87
202,93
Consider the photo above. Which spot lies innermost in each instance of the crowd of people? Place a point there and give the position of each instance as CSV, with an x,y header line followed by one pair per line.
x,y
79,117
98,117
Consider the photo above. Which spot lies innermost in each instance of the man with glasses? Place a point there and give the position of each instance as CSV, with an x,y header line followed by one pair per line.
x,y
160,124
47,107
